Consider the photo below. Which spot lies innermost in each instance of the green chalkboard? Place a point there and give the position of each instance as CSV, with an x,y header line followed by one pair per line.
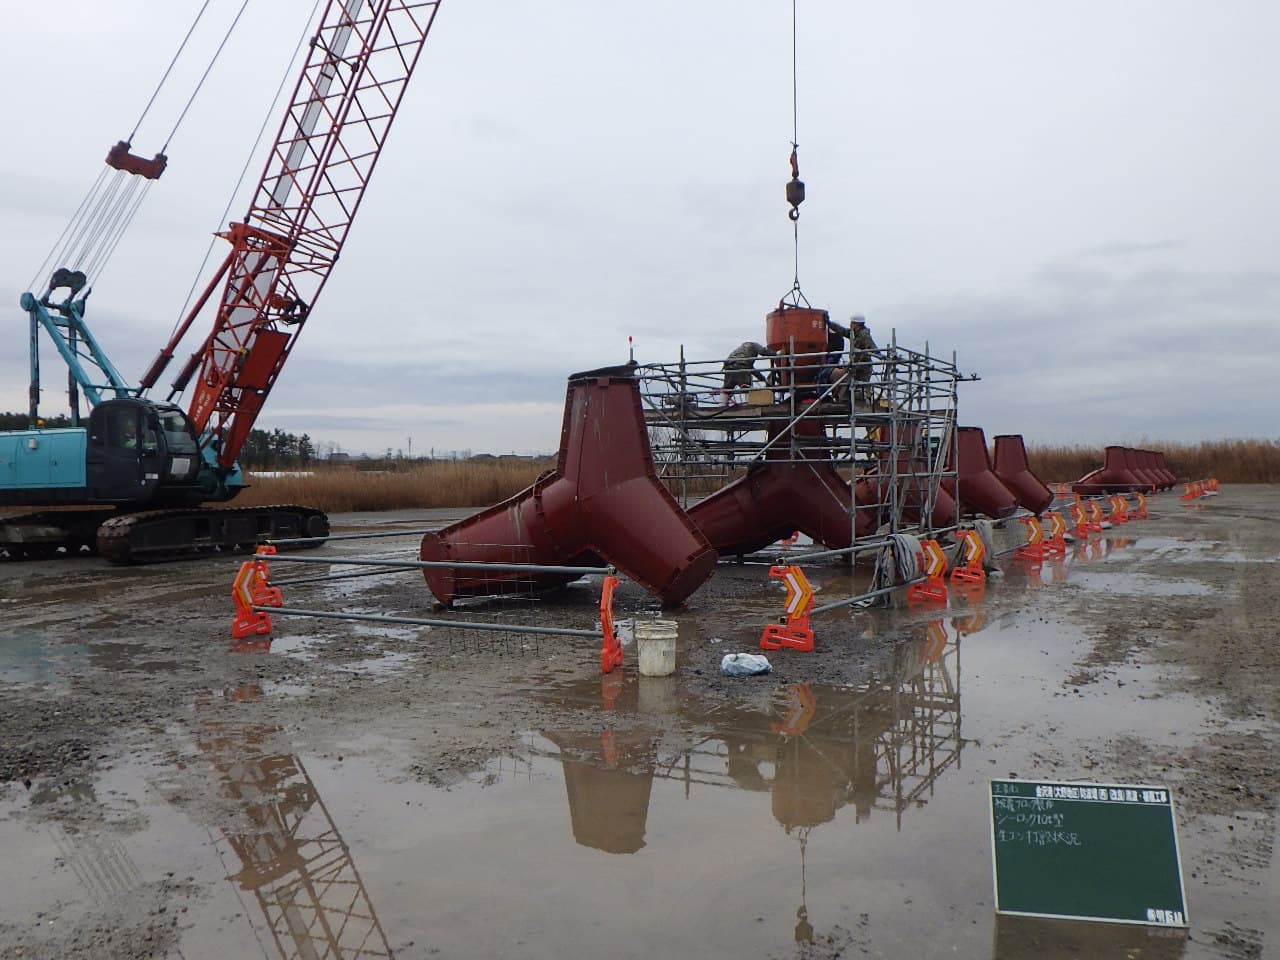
x,y
1087,851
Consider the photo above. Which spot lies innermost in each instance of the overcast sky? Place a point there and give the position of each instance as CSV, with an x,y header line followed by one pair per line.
x,y
1079,199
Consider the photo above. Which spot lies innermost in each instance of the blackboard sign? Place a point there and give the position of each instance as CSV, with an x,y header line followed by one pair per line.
x,y
1086,851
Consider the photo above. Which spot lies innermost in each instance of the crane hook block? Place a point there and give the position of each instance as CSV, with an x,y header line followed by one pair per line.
x,y
795,197
120,158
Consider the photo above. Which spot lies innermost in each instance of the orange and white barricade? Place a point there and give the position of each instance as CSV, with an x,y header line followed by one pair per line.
x,y
975,552
794,632
1034,549
933,561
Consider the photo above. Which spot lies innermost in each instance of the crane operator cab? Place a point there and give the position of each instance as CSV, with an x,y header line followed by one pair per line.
x,y
142,452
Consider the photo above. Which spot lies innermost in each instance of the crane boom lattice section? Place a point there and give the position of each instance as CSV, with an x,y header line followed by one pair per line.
x,y
358,66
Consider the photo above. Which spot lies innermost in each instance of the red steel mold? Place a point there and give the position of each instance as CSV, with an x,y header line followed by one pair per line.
x,y
1011,467
602,501
776,497
981,491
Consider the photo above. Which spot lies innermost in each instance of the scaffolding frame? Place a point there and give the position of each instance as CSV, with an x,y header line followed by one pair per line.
x,y
887,413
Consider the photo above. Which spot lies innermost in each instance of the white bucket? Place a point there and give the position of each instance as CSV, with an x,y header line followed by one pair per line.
x,y
656,643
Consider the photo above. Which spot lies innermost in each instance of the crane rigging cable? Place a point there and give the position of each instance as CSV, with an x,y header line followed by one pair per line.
x,y
795,186
104,215
204,76
177,53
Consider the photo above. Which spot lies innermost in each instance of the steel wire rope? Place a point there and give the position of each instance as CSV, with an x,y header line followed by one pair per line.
x,y
97,219
111,225
204,76
795,140
248,160
67,238
124,228
155,93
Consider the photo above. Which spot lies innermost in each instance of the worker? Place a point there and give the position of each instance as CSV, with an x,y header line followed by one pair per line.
x,y
858,368
740,366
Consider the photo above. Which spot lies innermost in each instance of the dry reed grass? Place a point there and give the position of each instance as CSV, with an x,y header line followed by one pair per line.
x,y
479,483
437,483
1230,461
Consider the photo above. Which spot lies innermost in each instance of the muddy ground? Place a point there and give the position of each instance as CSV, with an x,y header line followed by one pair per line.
x,y
370,790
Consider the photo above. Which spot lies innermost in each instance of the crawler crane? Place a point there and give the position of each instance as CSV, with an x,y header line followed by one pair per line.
x,y
140,469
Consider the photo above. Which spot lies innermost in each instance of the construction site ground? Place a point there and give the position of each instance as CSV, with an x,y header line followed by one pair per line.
x,y
370,790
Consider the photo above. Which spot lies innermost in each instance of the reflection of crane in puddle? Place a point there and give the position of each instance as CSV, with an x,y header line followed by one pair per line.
x,y
292,857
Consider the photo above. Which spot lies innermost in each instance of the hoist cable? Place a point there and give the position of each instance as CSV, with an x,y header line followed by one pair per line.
x,y
177,53
204,76
248,160
97,216
795,145
66,239
124,227
110,228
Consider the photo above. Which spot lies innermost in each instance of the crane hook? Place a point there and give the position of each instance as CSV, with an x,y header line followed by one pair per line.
x,y
795,186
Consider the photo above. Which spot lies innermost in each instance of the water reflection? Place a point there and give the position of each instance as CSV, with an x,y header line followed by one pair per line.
x,y
813,748
1025,938
292,858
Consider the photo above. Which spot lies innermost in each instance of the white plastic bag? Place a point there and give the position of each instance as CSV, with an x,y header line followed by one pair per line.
x,y
744,664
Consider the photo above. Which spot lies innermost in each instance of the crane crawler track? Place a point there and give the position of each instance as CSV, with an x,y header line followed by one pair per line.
x,y
155,536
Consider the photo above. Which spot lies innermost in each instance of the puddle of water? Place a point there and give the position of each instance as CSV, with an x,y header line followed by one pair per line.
x,y
380,667
1139,584
29,658
853,816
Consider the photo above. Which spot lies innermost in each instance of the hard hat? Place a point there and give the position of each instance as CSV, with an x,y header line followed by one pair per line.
x,y
858,319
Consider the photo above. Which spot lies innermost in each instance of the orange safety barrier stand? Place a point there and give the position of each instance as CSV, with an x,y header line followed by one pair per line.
x,y
972,570
1213,484
1035,547
1119,510
1056,544
1082,528
794,632
611,646
1140,511
934,562
791,540
1095,516
251,588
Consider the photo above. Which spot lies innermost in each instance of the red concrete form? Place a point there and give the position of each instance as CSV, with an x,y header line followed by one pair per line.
x,y
1111,477
1154,463
1012,469
1133,463
981,491
781,495
1160,462
603,500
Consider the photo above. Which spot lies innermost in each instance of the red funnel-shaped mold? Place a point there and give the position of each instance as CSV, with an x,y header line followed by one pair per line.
x,y
781,495
1163,465
1012,469
1133,464
1151,460
980,490
1112,477
603,500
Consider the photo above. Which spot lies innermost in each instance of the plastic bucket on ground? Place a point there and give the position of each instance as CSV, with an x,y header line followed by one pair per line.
x,y
656,644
